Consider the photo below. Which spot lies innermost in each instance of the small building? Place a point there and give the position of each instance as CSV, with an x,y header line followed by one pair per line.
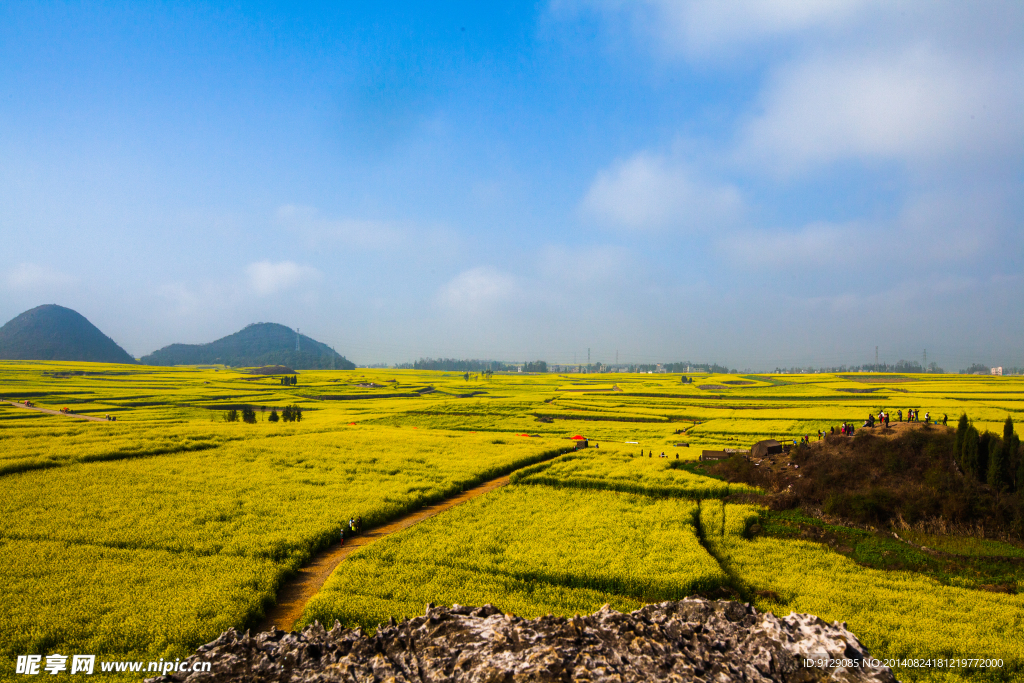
x,y
765,448
713,455
997,371
580,445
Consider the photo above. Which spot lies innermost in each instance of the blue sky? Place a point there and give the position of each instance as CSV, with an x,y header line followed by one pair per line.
x,y
759,184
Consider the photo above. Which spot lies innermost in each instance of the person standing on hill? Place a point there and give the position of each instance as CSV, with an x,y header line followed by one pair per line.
x,y
945,418
899,415
886,420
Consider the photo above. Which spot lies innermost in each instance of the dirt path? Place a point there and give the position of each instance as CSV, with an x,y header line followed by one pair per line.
x,y
57,412
294,595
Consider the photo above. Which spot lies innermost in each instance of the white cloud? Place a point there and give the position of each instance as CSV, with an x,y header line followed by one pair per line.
x,y
916,106
931,229
266,277
649,193
368,234
710,27
821,243
476,290
32,276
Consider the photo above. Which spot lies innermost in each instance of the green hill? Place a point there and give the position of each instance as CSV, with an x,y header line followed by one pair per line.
x,y
256,345
52,332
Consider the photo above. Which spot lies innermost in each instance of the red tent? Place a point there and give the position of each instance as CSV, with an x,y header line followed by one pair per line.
x,y
580,438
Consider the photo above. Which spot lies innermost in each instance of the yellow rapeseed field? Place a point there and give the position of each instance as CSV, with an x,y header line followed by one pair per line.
x,y
530,550
148,535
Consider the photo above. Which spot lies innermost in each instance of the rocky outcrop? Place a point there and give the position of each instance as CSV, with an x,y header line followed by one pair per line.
x,y
687,640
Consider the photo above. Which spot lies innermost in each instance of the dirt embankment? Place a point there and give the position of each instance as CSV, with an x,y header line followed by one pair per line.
x,y
902,475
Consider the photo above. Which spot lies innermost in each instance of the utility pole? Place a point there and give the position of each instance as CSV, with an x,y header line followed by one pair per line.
x,y
876,358
296,339
588,356
616,356
926,360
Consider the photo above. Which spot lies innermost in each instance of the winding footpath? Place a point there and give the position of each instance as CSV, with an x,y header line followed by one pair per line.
x,y
57,412
293,596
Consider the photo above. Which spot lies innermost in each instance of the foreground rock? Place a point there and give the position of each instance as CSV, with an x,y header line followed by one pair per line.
x,y
688,640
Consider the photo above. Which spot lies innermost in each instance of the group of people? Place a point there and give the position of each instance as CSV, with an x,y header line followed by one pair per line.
x,y
651,455
913,415
883,419
355,525
845,429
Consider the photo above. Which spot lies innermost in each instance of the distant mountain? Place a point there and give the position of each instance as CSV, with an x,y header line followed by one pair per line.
x,y
52,332
256,345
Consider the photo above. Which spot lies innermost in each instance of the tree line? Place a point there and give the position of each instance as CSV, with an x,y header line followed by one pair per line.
x,y
290,413
456,365
988,458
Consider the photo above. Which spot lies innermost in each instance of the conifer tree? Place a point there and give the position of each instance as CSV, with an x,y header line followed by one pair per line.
x,y
969,455
1012,456
961,432
984,448
1020,468
273,415
996,465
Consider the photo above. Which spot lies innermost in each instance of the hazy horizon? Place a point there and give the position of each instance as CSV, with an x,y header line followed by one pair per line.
x,y
759,185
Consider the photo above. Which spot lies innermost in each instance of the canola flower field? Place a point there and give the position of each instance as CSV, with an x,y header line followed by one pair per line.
x,y
533,550
619,469
147,536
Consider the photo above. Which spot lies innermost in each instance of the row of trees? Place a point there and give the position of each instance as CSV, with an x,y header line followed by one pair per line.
x,y
290,381
990,459
288,414
456,365
689,367
904,366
